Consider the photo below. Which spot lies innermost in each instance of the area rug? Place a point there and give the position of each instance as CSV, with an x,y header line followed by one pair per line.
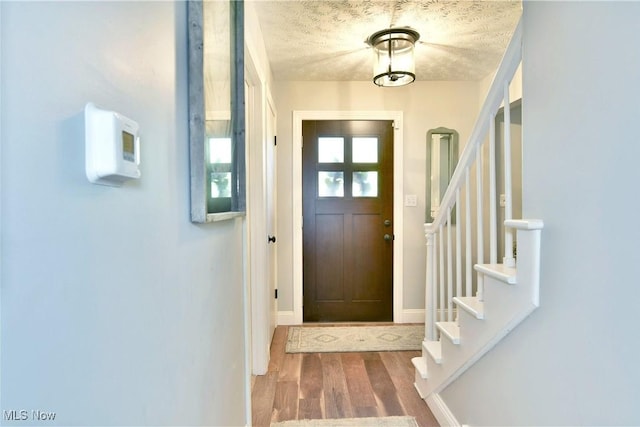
x,y
336,339
352,422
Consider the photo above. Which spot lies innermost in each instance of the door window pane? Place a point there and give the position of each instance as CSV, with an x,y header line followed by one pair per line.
x,y
330,184
330,150
365,150
365,184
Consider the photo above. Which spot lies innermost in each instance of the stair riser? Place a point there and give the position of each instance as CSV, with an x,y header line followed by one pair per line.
x,y
529,270
420,365
498,296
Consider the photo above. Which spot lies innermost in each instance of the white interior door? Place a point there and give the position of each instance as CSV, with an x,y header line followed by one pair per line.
x,y
270,187
256,225
261,260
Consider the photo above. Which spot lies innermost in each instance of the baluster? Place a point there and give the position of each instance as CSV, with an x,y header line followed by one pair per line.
x,y
434,289
479,207
430,302
493,234
458,247
436,286
449,269
508,205
467,208
441,282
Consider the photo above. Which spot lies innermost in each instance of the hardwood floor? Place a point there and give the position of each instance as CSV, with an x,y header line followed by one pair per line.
x,y
336,385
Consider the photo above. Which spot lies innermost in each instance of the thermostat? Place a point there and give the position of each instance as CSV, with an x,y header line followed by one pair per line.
x,y
112,147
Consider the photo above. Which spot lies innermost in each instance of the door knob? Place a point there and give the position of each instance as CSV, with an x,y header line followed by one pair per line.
x,y
388,237
271,239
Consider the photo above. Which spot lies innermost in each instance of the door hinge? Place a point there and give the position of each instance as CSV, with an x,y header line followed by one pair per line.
x,y
276,294
275,140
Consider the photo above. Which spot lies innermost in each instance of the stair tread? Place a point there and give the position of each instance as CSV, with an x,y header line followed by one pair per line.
x,y
498,271
434,348
451,330
471,305
420,363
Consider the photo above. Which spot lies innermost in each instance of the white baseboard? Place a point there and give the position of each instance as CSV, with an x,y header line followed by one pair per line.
x,y
441,411
409,315
287,318
412,315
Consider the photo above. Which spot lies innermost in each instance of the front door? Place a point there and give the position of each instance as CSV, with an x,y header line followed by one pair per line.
x,y
347,173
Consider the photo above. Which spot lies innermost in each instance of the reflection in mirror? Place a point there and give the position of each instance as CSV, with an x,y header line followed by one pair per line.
x,y
219,175
216,109
442,157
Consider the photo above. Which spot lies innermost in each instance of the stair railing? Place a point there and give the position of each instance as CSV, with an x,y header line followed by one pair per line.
x,y
442,285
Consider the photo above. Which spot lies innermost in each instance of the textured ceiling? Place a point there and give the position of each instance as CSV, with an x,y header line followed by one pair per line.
x,y
325,39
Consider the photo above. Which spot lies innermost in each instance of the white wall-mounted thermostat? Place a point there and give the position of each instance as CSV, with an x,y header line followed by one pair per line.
x,y
112,147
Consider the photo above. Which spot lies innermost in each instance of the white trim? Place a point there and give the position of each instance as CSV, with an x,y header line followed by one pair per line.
x,y
256,220
287,318
246,295
441,411
412,315
398,191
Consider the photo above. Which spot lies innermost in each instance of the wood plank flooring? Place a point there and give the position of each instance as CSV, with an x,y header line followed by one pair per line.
x,y
336,385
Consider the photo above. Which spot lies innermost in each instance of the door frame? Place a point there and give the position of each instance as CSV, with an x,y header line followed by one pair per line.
x,y
398,191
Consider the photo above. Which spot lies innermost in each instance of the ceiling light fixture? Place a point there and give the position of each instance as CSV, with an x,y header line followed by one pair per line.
x,y
394,56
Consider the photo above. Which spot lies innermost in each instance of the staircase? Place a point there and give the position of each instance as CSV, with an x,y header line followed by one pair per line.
x,y
472,301
510,295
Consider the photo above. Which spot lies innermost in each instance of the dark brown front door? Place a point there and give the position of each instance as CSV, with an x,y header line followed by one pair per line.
x,y
347,171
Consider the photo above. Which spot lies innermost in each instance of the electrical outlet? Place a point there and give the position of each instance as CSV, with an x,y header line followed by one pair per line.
x,y
410,200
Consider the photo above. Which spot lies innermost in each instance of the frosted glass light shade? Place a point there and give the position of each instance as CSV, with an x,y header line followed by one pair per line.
x,y
394,60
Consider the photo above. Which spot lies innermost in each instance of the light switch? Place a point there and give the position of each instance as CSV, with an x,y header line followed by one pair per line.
x,y
410,200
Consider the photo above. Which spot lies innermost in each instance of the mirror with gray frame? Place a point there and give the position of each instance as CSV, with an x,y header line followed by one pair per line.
x,y
442,158
216,110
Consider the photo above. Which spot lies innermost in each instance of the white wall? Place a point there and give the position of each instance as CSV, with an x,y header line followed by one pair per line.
x,y
574,361
255,44
426,105
116,310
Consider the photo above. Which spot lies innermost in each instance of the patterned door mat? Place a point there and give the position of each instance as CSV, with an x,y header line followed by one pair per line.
x,y
336,339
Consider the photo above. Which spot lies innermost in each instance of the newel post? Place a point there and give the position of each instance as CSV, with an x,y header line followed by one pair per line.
x,y
430,290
